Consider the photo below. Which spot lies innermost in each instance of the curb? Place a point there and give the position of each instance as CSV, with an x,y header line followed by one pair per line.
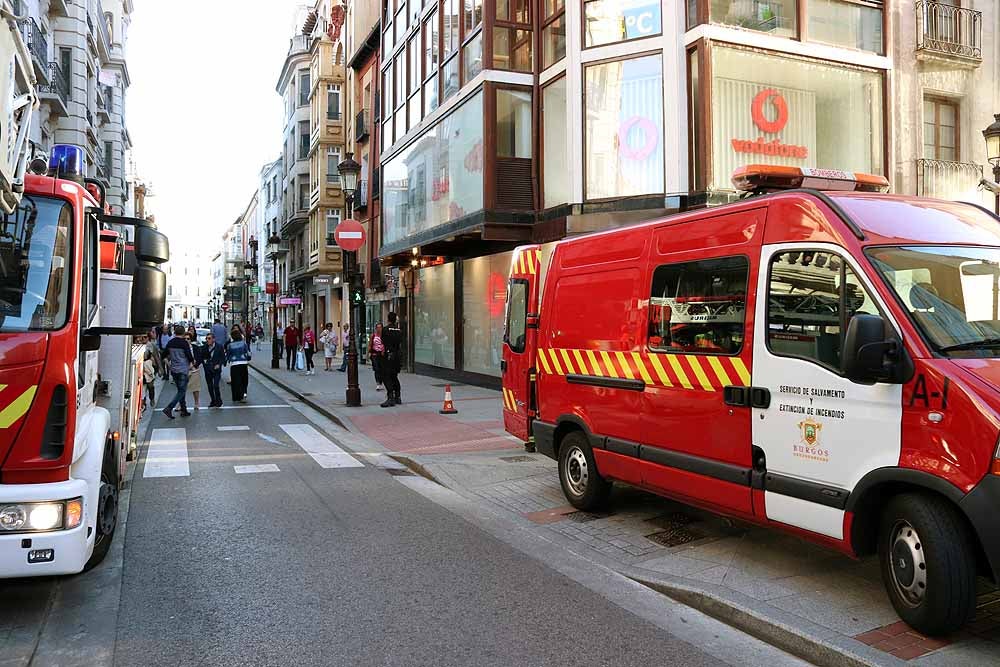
x,y
417,468
824,649
326,412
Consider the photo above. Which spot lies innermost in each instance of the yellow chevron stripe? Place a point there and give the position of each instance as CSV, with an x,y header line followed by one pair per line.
x,y
17,408
608,364
594,363
641,365
679,371
529,259
699,372
580,364
512,400
520,262
626,367
660,372
569,364
720,371
741,370
554,357
543,362
506,405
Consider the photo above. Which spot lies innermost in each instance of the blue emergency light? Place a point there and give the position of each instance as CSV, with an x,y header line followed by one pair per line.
x,y
67,161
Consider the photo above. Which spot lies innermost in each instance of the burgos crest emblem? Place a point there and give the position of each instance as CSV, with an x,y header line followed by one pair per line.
x,y
810,429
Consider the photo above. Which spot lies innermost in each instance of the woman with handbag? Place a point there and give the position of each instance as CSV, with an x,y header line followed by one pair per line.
x,y
238,358
329,340
376,352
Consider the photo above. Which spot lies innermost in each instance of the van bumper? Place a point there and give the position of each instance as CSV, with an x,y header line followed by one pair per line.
x,y
71,548
545,436
980,506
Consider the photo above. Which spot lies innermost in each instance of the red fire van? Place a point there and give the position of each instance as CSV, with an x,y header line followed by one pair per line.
x,y
823,358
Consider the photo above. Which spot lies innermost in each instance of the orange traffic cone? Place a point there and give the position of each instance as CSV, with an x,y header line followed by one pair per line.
x,y
449,407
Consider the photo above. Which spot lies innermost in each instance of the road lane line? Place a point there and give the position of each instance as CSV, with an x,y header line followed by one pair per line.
x,y
319,447
168,454
233,428
264,467
250,407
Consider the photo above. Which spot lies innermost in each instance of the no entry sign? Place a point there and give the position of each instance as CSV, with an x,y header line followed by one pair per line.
x,y
224,306
350,235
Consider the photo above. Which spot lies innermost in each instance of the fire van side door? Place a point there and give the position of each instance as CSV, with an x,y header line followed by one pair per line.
x,y
820,433
519,339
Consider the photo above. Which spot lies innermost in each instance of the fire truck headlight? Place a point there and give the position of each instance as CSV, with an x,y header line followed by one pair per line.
x,y
13,517
46,516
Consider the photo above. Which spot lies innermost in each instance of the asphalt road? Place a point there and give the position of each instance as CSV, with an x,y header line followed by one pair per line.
x,y
326,559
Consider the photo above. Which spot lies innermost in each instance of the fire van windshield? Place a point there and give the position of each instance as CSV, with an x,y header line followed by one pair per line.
x,y
951,292
35,265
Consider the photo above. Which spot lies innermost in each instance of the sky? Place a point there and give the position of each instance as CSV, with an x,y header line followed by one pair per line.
x,y
202,109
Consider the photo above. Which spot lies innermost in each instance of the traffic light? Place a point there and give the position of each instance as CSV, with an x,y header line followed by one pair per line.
x,y
357,283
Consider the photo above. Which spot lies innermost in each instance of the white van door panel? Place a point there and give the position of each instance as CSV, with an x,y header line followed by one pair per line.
x,y
821,432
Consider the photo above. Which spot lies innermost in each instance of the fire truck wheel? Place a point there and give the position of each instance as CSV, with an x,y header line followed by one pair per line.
x,y
107,512
928,563
581,483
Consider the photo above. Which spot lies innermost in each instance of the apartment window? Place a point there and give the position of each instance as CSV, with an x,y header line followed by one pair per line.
x,y
109,157
776,17
514,133
610,21
941,130
333,159
515,11
303,139
304,87
451,19
450,75
400,74
333,216
66,64
413,52
473,62
303,194
333,101
431,44
851,23
473,15
553,32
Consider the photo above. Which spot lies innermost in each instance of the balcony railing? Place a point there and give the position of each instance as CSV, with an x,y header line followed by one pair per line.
x,y
942,179
376,182
36,41
361,196
362,126
58,84
946,30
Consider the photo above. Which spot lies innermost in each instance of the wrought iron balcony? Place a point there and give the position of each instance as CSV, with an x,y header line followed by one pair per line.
x,y
37,43
942,179
362,126
947,32
361,196
57,88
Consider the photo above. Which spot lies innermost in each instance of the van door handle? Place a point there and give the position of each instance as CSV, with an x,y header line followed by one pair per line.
x,y
760,397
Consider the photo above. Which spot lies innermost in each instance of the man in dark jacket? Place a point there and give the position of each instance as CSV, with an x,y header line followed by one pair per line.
x,y
392,339
179,358
214,358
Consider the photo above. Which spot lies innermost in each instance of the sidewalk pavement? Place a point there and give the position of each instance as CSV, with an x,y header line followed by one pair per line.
x,y
816,603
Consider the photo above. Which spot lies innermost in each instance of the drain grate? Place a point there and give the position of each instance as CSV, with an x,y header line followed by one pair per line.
x,y
675,536
584,517
516,459
671,520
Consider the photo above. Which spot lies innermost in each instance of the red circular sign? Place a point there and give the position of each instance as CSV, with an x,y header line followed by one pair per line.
x,y
780,107
350,235
224,306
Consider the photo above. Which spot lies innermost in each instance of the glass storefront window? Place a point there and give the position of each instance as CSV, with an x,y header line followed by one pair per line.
x,y
554,42
484,292
434,309
473,58
770,109
430,96
776,17
623,153
554,149
857,26
514,123
450,74
438,177
609,21
515,11
512,49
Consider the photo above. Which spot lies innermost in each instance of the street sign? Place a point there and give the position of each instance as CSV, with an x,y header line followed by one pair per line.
x,y
255,289
289,301
224,306
350,235
272,288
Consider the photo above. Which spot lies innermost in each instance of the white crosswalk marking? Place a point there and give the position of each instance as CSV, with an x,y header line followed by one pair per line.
x,y
264,467
233,428
318,446
168,454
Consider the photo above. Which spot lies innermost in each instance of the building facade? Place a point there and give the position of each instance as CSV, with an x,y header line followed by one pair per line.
x,y
189,285
268,223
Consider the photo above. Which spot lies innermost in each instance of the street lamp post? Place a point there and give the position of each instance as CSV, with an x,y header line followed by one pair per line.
x,y
992,136
273,244
349,170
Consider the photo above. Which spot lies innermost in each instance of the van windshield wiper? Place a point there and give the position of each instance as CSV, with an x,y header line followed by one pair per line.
x,y
972,345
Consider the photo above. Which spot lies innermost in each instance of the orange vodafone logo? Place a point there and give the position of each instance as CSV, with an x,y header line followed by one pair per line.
x,y
780,108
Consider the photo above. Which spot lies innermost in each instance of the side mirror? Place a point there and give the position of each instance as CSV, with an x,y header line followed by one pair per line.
x,y
90,342
870,356
151,245
149,282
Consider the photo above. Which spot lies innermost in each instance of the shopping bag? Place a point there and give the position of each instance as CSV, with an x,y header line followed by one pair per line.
x,y
300,360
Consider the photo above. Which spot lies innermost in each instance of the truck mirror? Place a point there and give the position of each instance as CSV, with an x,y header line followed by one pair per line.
x,y
870,356
151,245
149,296
90,342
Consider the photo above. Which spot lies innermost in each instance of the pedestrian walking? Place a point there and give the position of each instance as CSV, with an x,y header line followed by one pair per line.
x,y
179,358
165,336
309,348
376,352
213,359
291,346
346,341
238,357
148,379
153,349
194,375
279,335
329,341
392,340
220,332
258,334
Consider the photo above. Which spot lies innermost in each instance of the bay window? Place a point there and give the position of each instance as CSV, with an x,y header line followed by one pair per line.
x,y
610,21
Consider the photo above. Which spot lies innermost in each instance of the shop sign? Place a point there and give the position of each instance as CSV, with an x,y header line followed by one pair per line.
x,y
289,301
272,288
769,112
255,289
642,20
322,280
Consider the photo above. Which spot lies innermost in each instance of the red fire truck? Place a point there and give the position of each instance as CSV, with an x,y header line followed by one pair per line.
x,y
822,358
71,299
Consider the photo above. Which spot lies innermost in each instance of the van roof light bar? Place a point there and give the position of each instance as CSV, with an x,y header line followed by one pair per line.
x,y
761,179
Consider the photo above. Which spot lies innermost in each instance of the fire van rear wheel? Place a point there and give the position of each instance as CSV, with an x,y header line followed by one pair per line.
x,y
581,483
928,563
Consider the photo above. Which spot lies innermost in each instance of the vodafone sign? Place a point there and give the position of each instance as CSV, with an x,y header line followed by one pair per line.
x,y
769,112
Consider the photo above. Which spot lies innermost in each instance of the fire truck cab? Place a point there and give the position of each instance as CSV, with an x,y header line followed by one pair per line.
x,y
822,358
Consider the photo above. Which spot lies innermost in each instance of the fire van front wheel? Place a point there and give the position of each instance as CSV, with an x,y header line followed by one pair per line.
x,y
107,513
581,483
928,563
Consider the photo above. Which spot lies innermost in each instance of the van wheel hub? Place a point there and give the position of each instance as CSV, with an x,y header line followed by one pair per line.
x,y
908,565
107,509
577,472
